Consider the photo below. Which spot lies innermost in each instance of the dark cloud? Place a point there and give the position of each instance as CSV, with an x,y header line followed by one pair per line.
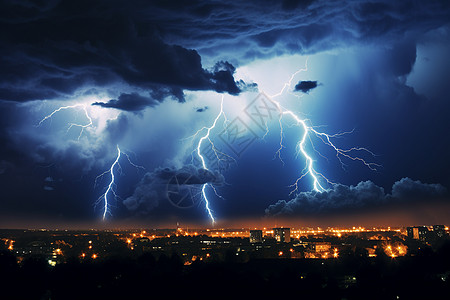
x,y
190,175
241,32
305,86
201,109
155,186
74,158
406,54
54,51
365,194
407,188
222,77
129,102
162,92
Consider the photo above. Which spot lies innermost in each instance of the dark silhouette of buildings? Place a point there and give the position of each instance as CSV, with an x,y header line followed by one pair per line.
x,y
127,265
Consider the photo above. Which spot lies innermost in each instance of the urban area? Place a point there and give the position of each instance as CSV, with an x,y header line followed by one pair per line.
x,y
333,263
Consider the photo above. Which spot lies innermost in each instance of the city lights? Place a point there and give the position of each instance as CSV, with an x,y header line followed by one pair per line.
x,y
281,242
395,250
335,253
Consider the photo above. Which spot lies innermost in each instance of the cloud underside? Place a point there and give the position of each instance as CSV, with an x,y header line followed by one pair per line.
x,y
305,86
156,186
55,49
129,102
365,194
59,50
251,29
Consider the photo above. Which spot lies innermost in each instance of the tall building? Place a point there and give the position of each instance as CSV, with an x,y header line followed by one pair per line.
x,y
256,236
282,234
417,232
439,231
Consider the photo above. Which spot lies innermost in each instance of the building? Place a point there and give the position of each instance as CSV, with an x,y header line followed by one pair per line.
x,y
418,232
256,236
141,244
282,234
320,247
439,231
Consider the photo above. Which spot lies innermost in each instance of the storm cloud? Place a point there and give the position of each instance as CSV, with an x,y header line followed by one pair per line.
x,y
365,194
243,31
54,49
305,86
156,186
382,66
201,109
129,102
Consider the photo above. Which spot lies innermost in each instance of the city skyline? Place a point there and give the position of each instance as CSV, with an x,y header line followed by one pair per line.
x,y
324,262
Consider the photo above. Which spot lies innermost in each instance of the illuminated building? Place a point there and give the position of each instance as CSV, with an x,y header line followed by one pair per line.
x,y
256,236
417,232
282,234
321,247
439,231
371,252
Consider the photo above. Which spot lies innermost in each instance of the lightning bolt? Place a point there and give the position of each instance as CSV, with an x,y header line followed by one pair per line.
x,y
111,187
319,180
327,139
206,137
83,127
289,83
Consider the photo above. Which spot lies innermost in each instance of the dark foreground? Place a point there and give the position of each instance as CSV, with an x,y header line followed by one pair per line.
x,y
423,276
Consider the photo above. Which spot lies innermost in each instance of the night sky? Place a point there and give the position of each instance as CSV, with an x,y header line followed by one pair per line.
x,y
147,76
